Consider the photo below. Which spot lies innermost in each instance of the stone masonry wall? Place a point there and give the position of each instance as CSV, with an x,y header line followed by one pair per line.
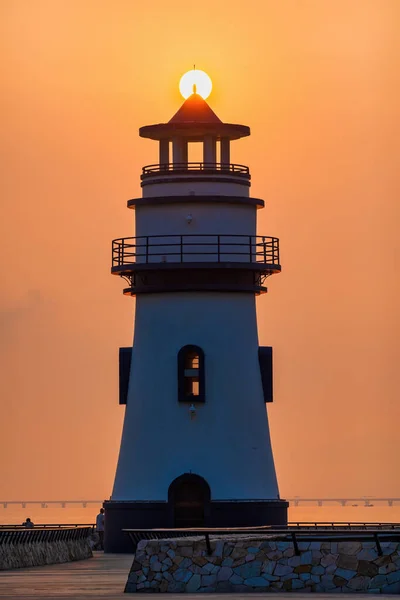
x,y
15,556
262,564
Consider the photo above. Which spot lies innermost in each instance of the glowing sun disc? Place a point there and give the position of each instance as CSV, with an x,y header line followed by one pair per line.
x,y
198,78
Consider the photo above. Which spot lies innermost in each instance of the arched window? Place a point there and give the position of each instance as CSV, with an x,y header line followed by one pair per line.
x,y
191,380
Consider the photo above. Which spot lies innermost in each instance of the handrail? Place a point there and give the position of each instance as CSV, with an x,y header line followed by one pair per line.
x,y
282,533
37,535
48,526
343,524
182,248
201,167
291,524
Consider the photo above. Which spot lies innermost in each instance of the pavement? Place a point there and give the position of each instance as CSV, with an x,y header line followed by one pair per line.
x,y
104,577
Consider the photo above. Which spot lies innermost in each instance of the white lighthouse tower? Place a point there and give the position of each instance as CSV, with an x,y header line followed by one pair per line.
x,y
195,447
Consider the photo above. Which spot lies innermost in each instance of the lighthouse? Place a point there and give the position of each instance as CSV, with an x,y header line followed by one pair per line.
x,y
195,448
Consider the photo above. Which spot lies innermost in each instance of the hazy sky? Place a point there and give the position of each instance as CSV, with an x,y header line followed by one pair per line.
x,y
317,81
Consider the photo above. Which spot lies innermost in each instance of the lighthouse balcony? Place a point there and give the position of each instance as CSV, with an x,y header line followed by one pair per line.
x,y
180,172
195,262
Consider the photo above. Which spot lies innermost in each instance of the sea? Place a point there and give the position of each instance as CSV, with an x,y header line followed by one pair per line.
x,y
76,514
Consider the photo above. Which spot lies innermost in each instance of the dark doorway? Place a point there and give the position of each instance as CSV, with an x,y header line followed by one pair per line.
x,y
189,498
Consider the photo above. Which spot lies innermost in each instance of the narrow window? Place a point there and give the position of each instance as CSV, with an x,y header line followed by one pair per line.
x,y
191,382
265,360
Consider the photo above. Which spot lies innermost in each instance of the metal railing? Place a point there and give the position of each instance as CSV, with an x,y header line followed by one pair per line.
x,y
37,535
195,248
198,167
341,525
294,535
305,525
49,526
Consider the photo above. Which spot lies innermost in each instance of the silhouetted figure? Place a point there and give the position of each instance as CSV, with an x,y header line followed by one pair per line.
x,y
28,524
100,527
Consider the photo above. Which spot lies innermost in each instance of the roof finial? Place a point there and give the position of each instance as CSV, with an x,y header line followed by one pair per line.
x,y
195,83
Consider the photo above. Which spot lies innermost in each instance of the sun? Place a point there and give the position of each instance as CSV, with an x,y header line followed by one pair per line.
x,y
195,81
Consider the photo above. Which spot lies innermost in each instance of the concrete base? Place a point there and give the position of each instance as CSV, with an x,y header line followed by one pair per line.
x,y
153,515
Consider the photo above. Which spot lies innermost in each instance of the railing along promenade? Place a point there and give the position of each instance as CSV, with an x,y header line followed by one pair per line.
x,y
48,526
21,535
295,534
304,525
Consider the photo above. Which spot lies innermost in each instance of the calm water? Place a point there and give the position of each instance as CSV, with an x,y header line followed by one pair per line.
x,y
77,514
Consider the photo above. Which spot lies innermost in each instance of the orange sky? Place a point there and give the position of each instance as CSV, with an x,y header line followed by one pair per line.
x,y
317,81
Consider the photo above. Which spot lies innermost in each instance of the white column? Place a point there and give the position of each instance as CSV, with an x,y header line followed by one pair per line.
x,y
164,152
210,149
184,151
177,150
225,152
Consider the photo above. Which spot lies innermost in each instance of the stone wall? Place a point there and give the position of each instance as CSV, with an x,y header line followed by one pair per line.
x,y
259,564
15,556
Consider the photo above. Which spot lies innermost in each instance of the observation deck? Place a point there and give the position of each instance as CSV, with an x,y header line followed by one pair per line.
x,y
195,122
195,171
195,262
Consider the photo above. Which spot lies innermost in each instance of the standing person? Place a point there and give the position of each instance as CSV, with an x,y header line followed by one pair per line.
x,y
100,527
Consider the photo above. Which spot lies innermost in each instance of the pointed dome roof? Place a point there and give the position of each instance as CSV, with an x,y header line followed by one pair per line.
x,y
193,121
195,110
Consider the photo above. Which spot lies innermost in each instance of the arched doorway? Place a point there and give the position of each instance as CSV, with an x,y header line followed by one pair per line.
x,y
189,497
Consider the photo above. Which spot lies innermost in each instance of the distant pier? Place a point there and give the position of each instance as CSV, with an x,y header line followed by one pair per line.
x,y
295,501
363,500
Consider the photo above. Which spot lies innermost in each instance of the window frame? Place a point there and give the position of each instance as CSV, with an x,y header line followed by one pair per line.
x,y
182,355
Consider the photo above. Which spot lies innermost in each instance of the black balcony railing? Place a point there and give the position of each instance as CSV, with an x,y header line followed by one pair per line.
x,y
195,248
197,167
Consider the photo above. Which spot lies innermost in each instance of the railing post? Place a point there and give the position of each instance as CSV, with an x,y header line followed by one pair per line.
x,y
378,546
121,248
208,545
265,250
295,545
181,242
147,249
251,249
219,248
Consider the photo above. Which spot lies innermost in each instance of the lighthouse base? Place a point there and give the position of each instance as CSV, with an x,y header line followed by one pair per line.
x,y
121,515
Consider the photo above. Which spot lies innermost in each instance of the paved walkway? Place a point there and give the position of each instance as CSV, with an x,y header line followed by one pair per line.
x,y
104,577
